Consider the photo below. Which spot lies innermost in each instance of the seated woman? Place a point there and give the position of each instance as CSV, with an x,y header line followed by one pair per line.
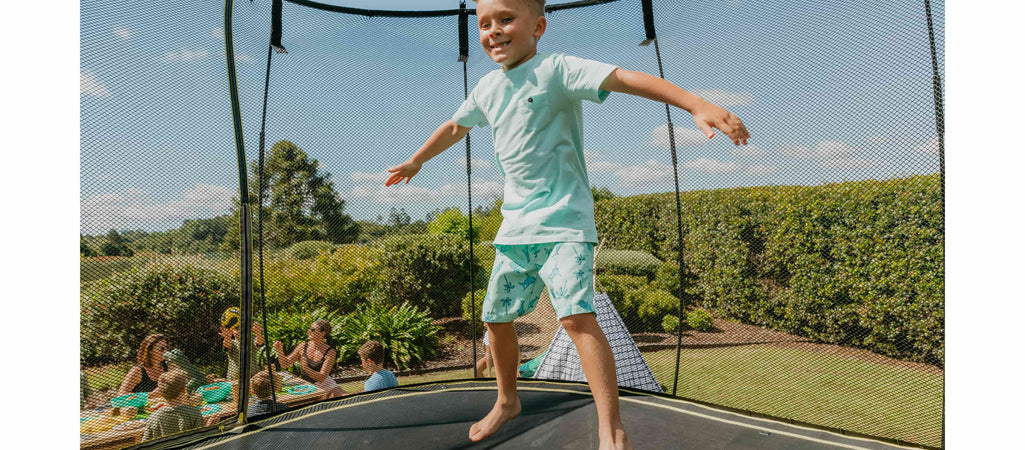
x,y
316,358
151,365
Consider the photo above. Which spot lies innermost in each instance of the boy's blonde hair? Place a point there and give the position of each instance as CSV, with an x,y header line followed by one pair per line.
x,y
373,351
171,384
261,384
537,7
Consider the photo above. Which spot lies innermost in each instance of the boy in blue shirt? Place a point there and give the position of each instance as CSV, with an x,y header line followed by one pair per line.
x,y
533,105
372,356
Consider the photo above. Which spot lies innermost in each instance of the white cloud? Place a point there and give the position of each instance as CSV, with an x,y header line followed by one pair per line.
x,y
930,147
750,151
412,194
877,139
647,173
186,55
711,165
123,33
474,162
218,33
90,85
242,57
760,170
725,98
379,177
850,163
594,165
824,150
682,136
132,208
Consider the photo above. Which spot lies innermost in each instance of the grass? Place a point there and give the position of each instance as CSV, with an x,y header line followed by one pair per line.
x,y
825,390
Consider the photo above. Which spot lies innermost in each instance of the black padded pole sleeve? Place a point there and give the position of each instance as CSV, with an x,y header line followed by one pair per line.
x,y
649,22
275,27
464,40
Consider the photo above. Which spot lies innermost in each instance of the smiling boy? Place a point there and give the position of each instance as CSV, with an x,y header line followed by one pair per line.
x,y
547,237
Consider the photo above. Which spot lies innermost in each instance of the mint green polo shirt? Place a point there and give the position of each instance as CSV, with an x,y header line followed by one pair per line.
x,y
536,115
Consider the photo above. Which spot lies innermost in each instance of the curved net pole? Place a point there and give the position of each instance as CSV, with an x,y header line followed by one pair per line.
x,y
245,215
649,30
464,49
937,92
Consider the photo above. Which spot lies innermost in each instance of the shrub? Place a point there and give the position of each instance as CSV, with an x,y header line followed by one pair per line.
x,y
700,320
652,304
670,323
453,221
429,271
409,335
291,328
627,262
470,314
309,249
336,280
182,302
617,287
667,277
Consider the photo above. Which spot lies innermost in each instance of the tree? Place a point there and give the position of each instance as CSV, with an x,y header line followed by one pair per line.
x,y
115,245
300,202
601,194
85,249
452,221
398,217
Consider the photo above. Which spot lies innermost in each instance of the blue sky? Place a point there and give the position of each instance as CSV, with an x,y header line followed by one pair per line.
x,y
830,92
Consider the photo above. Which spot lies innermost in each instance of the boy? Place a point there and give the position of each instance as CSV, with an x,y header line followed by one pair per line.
x,y
178,416
533,105
372,356
261,389
231,324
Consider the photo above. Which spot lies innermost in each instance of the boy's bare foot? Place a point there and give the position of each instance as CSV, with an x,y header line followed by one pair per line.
x,y
618,441
498,416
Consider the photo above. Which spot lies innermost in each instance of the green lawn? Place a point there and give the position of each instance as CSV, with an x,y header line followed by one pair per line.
x,y
850,394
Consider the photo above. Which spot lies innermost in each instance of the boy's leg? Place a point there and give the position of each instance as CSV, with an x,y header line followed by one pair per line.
x,y
504,350
600,370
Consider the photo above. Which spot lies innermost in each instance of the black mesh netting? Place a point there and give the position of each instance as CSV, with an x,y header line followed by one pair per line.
x,y
808,285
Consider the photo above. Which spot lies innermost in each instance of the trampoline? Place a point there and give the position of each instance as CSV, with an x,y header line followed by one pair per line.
x,y
555,415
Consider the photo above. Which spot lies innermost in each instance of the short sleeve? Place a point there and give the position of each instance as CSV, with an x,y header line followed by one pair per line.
x,y
469,115
583,78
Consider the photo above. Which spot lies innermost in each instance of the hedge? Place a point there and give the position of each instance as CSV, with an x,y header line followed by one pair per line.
x,y
857,263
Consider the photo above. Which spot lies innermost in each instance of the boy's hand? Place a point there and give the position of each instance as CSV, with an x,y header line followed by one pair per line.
x,y
402,171
709,115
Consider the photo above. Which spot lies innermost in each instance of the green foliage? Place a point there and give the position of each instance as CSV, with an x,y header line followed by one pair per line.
x,y
115,245
700,320
291,328
337,280
470,314
667,277
85,250
627,262
857,264
651,304
452,221
181,302
670,323
409,335
618,287
309,249
91,269
601,194
428,270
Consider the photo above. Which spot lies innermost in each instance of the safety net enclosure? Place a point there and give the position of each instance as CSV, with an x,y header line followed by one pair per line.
x,y
783,294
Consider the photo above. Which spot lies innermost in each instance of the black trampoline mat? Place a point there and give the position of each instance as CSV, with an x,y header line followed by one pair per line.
x,y
554,416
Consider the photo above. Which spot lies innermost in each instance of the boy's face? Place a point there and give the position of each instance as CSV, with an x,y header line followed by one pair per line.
x,y
509,31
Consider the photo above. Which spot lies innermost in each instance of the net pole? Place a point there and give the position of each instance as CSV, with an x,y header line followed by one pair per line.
x,y
464,56
259,224
245,215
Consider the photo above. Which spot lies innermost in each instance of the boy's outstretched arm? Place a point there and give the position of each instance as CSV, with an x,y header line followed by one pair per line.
x,y
706,115
444,137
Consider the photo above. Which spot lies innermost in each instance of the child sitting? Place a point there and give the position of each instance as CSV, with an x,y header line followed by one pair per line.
x,y
178,416
372,355
261,389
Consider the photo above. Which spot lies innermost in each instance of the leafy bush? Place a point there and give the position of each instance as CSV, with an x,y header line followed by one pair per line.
x,y
409,335
857,263
667,277
627,262
470,314
700,320
309,249
337,280
429,271
670,323
453,221
652,304
92,269
181,302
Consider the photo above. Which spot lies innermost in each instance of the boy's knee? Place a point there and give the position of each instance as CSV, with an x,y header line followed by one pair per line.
x,y
578,322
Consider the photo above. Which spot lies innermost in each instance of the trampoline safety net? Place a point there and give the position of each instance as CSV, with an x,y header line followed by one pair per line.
x,y
234,215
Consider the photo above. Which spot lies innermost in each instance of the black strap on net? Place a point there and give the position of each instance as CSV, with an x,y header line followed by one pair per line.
x,y
464,52
649,31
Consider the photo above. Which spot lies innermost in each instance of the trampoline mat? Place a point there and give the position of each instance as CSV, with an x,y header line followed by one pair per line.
x,y
554,415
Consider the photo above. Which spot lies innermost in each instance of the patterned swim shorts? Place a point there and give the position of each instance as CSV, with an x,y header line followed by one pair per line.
x,y
521,271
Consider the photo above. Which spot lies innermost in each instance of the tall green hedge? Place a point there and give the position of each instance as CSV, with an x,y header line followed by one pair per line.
x,y
857,263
